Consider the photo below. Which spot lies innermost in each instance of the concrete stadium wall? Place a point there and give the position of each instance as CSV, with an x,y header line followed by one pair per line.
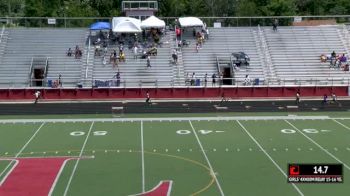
x,y
170,93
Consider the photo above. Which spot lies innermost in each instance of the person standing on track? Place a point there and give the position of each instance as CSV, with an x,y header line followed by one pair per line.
x,y
297,98
335,100
148,99
37,96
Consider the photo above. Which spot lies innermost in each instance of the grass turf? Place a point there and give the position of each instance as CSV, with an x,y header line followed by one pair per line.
x,y
229,147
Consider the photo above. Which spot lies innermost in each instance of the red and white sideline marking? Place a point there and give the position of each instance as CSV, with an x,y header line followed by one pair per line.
x,y
162,189
32,176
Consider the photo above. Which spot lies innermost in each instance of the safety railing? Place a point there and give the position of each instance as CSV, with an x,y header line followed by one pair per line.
x,y
77,22
2,33
189,83
87,59
30,71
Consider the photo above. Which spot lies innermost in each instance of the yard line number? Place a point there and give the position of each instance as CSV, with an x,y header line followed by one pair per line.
x,y
203,132
95,133
311,131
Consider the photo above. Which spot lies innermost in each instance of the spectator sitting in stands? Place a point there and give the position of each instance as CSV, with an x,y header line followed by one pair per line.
x,y
135,50
121,48
333,54
247,80
323,58
178,33
207,33
111,57
69,52
153,51
187,79
144,55
343,58
78,52
121,57
97,52
97,42
197,47
213,79
101,34
193,79
174,55
104,60
156,39
104,44
275,25
110,33
180,44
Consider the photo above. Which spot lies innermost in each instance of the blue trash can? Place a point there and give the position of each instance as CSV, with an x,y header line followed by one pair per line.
x,y
198,82
256,81
49,83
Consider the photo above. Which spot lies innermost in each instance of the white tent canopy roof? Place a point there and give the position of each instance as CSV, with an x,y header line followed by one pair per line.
x,y
190,22
152,22
126,25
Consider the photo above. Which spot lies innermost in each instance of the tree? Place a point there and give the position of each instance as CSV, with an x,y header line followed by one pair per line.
x,y
281,8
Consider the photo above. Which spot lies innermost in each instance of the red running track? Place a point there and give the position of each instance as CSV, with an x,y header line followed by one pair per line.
x,y
162,189
32,176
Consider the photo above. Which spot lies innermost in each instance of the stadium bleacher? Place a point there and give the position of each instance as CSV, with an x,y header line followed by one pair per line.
x,y
295,52
25,43
134,71
290,54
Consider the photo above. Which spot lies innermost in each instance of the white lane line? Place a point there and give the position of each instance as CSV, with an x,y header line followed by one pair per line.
x,y
318,145
267,154
143,159
77,162
206,158
22,149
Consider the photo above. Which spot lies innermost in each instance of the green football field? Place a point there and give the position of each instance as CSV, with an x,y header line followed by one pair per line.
x,y
201,156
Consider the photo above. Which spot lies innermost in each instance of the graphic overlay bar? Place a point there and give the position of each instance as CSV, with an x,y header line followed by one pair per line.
x,y
315,173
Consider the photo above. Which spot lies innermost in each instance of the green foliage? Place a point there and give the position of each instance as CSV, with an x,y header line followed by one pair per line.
x,y
108,8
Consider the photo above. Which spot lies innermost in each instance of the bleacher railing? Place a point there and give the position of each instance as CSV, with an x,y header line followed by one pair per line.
x,y
87,59
2,32
84,22
196,83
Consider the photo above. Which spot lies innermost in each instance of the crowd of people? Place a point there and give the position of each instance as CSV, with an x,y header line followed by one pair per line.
x,y
336,60
142,48
192,79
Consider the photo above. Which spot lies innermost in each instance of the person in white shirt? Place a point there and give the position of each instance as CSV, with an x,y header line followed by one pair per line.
x,y
247,80
174,55
37,96
207,33
135,52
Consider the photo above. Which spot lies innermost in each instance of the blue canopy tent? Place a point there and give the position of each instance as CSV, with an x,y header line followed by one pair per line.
x,y
100,26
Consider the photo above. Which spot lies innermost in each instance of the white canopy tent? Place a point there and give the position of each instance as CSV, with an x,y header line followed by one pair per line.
x,y
190,22
152,22
126,25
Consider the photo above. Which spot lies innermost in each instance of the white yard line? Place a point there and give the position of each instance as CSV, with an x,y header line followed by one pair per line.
x,y
318,145
26,144
348,128
267,154
22,149
206,158
143,159
58,176
77,162
220,118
